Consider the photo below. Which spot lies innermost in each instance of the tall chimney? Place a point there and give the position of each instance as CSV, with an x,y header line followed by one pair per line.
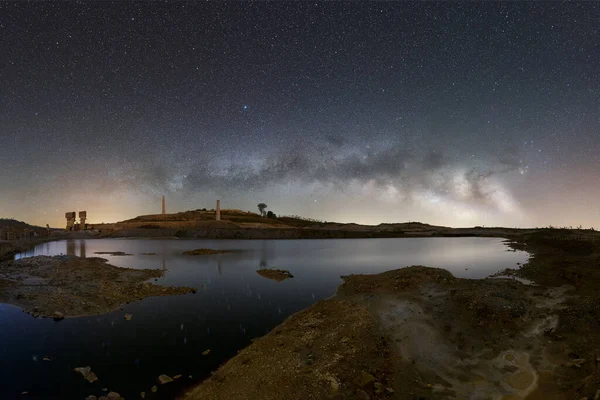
x,y
164,210
218,214
82,218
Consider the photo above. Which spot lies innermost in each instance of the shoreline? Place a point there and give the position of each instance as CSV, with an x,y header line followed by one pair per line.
x,y
401,334
544,341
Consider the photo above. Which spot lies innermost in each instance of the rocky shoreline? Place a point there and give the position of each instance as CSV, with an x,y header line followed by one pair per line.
x,y
69,286
419,332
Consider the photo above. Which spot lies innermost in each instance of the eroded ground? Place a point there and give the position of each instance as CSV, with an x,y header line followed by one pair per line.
x,y
67,286
420,333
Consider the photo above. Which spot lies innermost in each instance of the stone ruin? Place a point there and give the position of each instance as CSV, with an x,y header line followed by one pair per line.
x,y
70,216
71,221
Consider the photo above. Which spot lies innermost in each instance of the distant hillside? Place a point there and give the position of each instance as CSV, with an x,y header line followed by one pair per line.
x,y
19,226
236,216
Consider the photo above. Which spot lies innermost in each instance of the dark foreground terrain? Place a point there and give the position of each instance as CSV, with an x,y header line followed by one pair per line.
x,y
68,286
420,333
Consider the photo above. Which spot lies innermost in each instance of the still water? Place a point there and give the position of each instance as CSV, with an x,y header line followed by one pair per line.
x,y
167,335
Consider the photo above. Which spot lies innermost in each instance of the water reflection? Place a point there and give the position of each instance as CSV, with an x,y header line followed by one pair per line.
x,y
73,248
234,306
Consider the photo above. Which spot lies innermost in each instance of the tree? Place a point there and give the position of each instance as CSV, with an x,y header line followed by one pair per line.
x,y
271,215
261,208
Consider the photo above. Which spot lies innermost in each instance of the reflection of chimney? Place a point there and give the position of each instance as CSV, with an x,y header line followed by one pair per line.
x,y
164,210
218,214
70,248
82,248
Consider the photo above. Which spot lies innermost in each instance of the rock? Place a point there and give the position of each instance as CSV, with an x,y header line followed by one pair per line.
x,y
91,397
597,396
143,395
334,383
205,352
378,387
177,376
58,315
154,389
576,362
389,390
363,380
103,398
162,379
128,317
275,274
362,395
46,359
113,396
91,377
83,371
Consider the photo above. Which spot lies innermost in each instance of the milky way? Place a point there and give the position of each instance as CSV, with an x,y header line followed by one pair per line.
x,y
457,114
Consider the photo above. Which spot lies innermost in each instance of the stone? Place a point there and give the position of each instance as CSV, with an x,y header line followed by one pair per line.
x,y
154,389
128,317
46,359
334,383
83,371
597,396
58,315
378,387
103,398
91,377
162,379
389,390
143,395
362,395
177,376
205,352
576,362
363,380
113,396
91,397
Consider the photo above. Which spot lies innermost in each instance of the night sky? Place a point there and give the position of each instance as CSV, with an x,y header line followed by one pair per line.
x,y
458,114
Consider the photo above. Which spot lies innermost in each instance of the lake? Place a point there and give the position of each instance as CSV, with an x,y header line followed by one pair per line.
x,y
168,335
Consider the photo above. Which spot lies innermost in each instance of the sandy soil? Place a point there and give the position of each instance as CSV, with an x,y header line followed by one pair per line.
x,y
67,286
420,333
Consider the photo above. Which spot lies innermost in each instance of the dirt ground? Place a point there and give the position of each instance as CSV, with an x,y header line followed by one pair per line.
x,y
68,286
420,333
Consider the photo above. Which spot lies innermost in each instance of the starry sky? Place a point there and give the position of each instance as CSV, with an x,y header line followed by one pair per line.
x,y
455,114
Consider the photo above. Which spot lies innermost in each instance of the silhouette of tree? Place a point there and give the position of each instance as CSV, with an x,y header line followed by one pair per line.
x,y
261,208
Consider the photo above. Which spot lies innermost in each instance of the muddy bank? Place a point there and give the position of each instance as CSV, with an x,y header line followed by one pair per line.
x,y
68,286
421,333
